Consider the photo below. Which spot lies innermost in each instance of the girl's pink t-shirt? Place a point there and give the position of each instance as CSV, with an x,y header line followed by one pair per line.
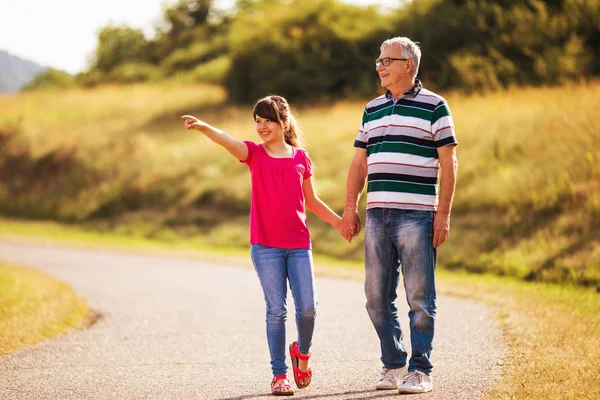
x,y
277,212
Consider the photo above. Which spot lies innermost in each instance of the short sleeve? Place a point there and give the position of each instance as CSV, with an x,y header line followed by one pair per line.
x,y
251,150
361,137
308,167
442,126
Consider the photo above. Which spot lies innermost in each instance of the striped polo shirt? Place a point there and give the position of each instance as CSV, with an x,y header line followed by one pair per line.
x,y
401,138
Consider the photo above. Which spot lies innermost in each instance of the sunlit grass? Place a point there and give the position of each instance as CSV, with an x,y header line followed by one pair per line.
x,y
35,307
90,119
552,333
527,145
118,159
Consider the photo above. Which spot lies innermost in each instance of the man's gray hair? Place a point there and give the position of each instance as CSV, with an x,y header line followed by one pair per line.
x,y
409,49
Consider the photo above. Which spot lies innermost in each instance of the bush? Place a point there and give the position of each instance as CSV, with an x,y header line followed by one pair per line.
x,y
201,51
118,45
213,71
50,78
132,72
90,78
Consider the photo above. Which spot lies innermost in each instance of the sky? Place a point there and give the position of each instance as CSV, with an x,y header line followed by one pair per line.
x,y
63,33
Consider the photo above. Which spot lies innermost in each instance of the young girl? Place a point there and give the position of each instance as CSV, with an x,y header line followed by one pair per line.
x,y
282,185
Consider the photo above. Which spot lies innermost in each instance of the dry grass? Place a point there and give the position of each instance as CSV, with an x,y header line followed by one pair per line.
x,y
553,331
117,159
529,184
35,307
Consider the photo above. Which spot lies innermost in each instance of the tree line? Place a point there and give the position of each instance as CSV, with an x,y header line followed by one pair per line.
x,y
324,49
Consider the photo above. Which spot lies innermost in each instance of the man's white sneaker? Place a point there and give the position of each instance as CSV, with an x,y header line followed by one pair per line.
x,y
389,379
415,382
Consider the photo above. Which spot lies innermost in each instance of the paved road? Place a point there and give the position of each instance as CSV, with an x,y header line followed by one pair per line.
x,y
180,328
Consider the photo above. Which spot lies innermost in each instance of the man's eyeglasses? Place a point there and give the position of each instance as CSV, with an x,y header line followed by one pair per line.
x,y
386,61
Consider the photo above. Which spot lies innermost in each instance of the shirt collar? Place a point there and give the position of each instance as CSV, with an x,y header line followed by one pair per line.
x,y
412,92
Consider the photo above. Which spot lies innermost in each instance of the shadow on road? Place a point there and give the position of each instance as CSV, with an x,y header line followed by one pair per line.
x,y
342,395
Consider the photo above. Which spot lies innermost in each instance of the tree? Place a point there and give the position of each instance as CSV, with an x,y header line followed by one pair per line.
x,y
185,23
186,14
118,45
304,50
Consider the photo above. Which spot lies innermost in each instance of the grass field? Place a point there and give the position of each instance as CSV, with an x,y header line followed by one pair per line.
x,y
117,160
35,306
552,333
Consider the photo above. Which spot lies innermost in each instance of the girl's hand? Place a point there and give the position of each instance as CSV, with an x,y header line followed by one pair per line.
x,y
190,122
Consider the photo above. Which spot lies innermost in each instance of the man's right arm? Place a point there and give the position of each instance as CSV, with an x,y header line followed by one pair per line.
x,y
355,184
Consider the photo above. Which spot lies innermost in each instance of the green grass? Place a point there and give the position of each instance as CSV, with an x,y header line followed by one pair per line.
x,y
117,160
35,307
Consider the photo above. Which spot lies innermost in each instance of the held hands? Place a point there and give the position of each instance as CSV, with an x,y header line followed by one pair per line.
x,y
349,225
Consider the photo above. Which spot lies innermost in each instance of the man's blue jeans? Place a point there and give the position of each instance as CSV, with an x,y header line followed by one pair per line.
x,y
275,267
401,240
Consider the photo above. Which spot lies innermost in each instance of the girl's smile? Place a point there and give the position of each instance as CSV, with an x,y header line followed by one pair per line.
x,y
268,129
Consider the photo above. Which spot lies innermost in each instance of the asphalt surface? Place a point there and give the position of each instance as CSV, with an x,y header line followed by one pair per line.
x,y
180,328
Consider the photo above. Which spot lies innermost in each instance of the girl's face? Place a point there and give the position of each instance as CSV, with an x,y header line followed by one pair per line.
x,y
268,130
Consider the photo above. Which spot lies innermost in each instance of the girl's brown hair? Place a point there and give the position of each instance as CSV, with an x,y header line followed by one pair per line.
x,y
276,108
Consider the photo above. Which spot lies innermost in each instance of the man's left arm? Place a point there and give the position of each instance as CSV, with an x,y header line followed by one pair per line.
x,y
449,166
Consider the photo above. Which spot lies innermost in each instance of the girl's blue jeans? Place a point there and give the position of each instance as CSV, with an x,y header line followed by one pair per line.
x,y
275,267
401,240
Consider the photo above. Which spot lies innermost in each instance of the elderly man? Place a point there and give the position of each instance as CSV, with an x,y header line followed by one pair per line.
x,y
406,137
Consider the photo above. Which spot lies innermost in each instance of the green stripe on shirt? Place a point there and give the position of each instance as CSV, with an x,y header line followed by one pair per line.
x,y
401,187
401,110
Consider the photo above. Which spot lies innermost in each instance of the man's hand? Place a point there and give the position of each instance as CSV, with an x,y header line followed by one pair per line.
x,y
441,229
349,226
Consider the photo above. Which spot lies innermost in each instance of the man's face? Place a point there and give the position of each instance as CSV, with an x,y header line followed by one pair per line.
x,y
397,72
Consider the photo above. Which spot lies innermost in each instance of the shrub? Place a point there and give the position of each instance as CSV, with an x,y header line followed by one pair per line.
x,y
132,72
50,78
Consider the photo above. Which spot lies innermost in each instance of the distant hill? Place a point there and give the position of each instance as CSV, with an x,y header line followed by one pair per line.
x,y
15,72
